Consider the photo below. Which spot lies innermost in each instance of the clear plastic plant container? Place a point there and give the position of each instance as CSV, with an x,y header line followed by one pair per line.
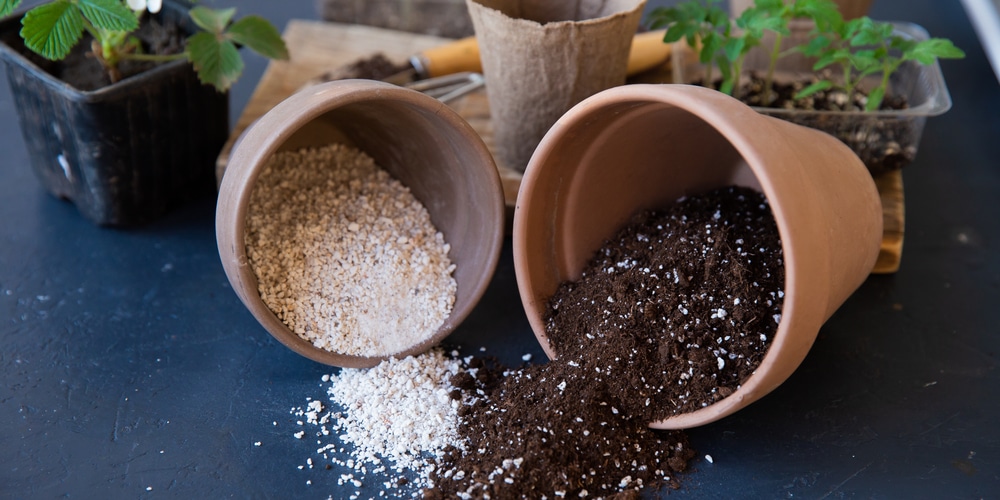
x,y
885,140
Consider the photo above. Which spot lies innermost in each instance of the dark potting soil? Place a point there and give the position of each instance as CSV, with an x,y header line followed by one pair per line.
x,y
884,145
682,303
83,71
376,67
639,337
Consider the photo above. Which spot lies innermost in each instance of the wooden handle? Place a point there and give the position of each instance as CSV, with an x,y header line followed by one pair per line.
x,y
648,51
455,57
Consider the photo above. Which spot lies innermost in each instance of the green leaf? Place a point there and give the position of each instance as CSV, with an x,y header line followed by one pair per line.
x,y
110,15
8,6
733,48
816,46
875,99
52,29
212,20
710,44
927,51
831,57
825,13
260,36
672,35
216,60
812,89
770,5
871,33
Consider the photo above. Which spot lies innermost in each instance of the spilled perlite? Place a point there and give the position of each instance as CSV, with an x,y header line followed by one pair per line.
x,y
394,419
345,255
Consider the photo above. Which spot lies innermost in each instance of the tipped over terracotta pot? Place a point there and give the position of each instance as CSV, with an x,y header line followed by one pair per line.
x,y
641,147
420,142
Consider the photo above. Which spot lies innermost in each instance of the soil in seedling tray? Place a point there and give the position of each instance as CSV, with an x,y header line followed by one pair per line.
x,y
884,144
672,314
82,70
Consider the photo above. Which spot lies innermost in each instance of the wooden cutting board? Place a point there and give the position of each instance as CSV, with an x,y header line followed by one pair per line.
x,y
317,47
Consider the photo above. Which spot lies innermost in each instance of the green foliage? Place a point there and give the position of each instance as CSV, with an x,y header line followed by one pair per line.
x,y
863,47
52,29
8,6
860,47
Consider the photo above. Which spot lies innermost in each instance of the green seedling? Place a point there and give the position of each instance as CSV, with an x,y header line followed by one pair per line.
x,y
53,28
859,47
863,47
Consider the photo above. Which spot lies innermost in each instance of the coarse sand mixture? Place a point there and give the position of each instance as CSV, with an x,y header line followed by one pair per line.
x,y
345,255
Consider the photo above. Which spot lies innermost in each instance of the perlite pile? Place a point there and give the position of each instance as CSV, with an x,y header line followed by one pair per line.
x,y
345,255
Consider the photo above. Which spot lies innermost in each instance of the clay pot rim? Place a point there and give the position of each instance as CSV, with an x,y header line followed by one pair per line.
x,y
269,133
727,116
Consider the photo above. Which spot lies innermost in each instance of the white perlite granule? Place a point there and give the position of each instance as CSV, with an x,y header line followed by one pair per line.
x,y
396,416
345,255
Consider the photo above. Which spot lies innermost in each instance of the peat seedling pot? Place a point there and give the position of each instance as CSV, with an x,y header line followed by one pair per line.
x,y
126,153
540,58
641,147
420,141
885,140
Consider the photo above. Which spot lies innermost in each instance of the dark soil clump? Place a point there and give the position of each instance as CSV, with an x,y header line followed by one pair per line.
x,y
636,343
376,67
83,71
681,304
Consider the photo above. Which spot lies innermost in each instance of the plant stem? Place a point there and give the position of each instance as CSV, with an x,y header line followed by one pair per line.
x,y
737,69
769,79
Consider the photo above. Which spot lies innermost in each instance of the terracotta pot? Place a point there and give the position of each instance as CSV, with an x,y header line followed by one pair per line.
x,y
643,146
419,141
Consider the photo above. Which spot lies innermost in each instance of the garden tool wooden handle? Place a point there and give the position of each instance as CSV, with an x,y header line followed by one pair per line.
x,y
648,51
455,57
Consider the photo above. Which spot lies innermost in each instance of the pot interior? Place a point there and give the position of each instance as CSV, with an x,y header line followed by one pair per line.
x,y
648,156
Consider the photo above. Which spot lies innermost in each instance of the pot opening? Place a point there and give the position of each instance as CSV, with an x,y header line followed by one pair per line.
x,y
648,155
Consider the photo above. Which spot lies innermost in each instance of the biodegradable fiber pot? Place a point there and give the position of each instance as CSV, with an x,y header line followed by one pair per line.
x,y
542,57
419,141
643,146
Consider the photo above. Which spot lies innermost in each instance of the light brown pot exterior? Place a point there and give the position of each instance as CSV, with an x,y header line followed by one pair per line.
x,y
419,141
644,146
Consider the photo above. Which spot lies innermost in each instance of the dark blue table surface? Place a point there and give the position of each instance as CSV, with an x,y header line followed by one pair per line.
x,y
129,368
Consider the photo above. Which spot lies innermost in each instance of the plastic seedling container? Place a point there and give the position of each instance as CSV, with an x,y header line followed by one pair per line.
x,y
885,140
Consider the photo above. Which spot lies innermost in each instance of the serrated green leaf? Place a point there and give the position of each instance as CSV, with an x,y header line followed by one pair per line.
x,y
812,89
875,99
672,35
260,36
832,57
217,61
771,5
110,15
212,20
733,48
710,44
52,29
927,51
8,6
816,46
